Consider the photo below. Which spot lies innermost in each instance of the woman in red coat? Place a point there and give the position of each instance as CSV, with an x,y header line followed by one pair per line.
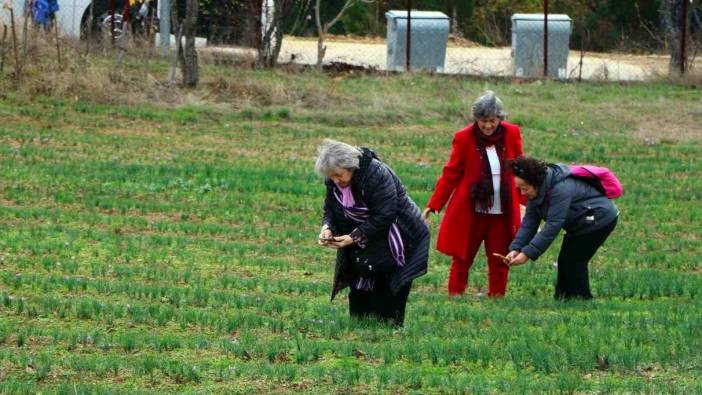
x,y
484,202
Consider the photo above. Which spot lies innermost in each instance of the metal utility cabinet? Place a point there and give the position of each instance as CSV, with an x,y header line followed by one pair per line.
x,y
528,45
429,36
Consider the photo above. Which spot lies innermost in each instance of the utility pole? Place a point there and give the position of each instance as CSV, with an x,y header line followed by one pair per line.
x,y
408,47
683,37
545,38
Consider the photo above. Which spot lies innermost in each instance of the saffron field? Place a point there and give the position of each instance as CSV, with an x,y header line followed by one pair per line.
x,y
161,249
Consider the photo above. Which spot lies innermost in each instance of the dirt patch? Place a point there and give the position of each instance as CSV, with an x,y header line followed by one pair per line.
x,y
465,57
8,203
128,131
654,130
347,68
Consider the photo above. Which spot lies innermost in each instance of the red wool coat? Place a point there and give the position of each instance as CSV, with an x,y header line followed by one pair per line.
x,y
462,170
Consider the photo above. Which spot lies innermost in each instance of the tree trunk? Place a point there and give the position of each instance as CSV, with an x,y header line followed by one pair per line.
x,y
322,29
271,34
253,35
89,31
268,27
321,50
670,12
164,26
177,54
278,34
321,32
189,62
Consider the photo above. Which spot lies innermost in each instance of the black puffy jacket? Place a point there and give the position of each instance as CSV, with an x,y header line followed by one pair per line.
x,y
387,202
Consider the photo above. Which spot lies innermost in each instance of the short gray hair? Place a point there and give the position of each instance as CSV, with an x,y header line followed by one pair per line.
x,y
335,155
488,105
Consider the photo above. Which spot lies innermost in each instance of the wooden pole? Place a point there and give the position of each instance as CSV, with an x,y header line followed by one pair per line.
x,y
545,38
14,44
3,47
582,48
58,43
408,47
683,37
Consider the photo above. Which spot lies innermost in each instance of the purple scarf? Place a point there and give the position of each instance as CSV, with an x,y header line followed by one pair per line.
x,y
359,213
347,199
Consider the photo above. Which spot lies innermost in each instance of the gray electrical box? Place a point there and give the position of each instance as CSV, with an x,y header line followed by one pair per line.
x,y
428,40
528,45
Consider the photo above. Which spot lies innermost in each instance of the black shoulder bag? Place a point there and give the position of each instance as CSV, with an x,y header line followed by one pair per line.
x,y
375,259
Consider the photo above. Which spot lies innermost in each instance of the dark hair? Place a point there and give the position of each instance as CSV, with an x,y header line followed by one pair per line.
x,y
529,169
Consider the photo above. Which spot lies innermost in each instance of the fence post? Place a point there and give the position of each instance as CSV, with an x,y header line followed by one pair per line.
x,y
14,45
545,38
58,44
408,46
2,47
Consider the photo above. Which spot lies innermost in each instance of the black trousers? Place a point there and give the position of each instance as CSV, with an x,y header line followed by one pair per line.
x,y
380,303
576,252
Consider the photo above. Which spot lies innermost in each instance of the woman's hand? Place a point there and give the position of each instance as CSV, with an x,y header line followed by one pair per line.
x,y
326,233
516,258
512,254
340,242
426,213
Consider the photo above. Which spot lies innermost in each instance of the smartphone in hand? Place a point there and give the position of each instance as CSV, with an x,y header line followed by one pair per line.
x,y
327,239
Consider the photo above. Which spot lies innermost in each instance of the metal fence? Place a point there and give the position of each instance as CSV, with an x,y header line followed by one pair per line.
x,y
244,31
566,53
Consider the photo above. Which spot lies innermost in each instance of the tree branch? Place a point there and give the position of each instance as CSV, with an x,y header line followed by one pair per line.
x,y
347,5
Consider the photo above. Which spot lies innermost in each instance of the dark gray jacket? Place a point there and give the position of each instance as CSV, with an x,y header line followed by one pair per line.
x,y
563,202
388,202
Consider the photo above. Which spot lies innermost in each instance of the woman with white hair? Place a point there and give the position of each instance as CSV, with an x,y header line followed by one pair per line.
x,y
484,202
382,242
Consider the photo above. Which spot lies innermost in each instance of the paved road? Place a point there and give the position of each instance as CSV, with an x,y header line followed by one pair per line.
x,y
481,61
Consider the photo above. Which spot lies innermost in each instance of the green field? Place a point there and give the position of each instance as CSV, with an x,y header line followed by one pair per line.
x,y
147,249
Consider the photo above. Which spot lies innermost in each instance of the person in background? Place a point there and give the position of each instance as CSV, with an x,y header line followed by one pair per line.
x,y
567,203
484,202
381,240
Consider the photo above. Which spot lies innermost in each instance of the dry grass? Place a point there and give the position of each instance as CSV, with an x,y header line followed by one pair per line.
x,y
75,76
670,127
129,74
134,73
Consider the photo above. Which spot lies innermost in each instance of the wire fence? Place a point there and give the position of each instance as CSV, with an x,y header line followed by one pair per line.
x,y
293,32
643,53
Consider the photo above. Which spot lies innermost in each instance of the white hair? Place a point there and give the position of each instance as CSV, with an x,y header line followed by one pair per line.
x,y
335,155
488,105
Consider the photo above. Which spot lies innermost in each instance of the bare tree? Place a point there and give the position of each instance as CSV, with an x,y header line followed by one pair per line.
x,y
188,58
268,17
89,27
323,28
672,21
176,55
